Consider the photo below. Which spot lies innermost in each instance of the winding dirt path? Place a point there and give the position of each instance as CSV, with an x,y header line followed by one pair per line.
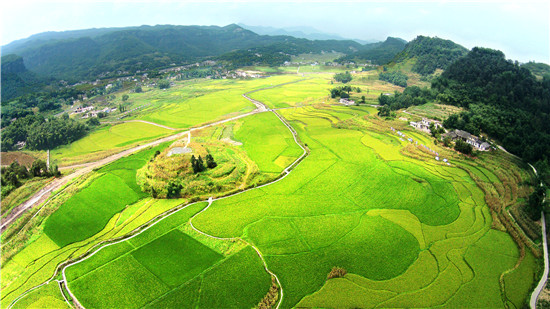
x,y
62,267
58,183
142,121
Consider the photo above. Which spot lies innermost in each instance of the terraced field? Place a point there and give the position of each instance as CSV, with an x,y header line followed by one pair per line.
x,y
431,219
206,101
409,230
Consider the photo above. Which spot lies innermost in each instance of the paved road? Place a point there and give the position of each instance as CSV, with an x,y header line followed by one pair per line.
x,y
542,282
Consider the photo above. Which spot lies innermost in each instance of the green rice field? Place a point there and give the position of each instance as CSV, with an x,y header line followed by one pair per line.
x,y
410,230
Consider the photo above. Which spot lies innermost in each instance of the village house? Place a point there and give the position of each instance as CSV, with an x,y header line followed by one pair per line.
x,y
347,102
424,124
81,109
468,138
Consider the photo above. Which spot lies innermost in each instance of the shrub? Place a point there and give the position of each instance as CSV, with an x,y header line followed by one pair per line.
x,y
164,84
463,147
336,272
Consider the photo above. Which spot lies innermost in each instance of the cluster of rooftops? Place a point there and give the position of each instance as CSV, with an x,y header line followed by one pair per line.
x,y
468,138
473,140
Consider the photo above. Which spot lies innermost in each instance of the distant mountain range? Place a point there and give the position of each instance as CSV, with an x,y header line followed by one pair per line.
x,y
86,54
301,32
377,53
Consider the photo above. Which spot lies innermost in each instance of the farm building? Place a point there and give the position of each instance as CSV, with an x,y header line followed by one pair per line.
x,y
347,101
424,124
468,138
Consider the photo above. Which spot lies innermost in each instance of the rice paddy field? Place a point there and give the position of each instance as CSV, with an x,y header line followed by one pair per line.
x,y
194,103
410,230
109,139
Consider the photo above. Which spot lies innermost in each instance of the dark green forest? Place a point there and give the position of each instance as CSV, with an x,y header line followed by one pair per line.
x,y
412,95
394,77
42,134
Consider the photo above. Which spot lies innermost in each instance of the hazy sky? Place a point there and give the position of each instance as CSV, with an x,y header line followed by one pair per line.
x,y
521,29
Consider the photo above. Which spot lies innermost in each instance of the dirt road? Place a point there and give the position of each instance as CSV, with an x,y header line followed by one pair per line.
x,y
45,193
56,184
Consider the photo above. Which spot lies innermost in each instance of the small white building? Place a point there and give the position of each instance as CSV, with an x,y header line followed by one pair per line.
x,y
347,102
424,124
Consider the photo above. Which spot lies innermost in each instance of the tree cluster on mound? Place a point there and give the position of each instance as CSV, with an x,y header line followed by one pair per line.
x,y
343,77
412,95
181,175
395,77
431,54
503,100
343,92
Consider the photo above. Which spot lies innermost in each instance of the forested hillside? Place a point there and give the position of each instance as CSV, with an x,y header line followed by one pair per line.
x,y
430,54
16,79
377,53
145,48
503,99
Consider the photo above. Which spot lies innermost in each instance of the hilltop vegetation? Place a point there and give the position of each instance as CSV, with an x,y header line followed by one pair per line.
x,y
537,68
430,54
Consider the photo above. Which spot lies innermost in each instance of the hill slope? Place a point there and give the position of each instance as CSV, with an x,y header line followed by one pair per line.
x,y
16,79
430,54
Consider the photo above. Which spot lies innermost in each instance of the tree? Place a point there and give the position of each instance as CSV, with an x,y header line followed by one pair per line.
x,y
173,190
210,163
92,121
125,97
363,99
343,77
55,171
39,168
534,206
384,111
463,147
164,84
138,89
200,164
197,164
